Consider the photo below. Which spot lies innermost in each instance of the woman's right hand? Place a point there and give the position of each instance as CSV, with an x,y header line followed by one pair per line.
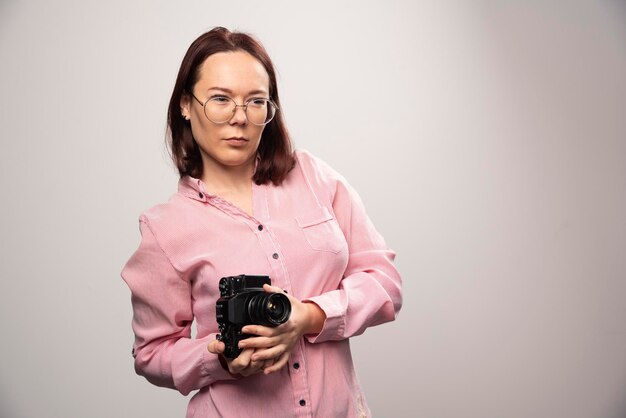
x,y
242,364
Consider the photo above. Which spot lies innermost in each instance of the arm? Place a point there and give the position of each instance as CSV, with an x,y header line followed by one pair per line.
x,y
370,292
163,350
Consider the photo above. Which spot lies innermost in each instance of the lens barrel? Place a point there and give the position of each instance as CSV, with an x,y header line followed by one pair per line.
x,y
269,309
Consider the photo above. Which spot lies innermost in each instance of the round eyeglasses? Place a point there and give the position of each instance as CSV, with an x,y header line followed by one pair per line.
x,y
221,109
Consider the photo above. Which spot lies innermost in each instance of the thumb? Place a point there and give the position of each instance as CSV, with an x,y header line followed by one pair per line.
x,y
272,289
216,347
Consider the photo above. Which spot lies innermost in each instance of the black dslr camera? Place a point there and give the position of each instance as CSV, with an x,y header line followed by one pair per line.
x,y
243,302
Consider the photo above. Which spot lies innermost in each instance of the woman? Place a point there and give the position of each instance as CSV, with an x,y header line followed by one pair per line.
x,y
247,204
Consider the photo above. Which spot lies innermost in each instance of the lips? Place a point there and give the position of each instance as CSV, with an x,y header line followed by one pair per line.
x,y
236,141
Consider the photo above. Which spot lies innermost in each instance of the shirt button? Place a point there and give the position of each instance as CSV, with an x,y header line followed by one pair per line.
x,y
275,256
201,195
296,366
260,227
302,402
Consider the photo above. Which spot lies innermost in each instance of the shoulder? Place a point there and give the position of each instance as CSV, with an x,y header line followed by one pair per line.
x,y
172,221
185,200
171,226
163,212
322,179
317,170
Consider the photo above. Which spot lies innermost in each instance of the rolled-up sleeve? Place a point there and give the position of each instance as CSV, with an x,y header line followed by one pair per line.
x,y
163,350
370,292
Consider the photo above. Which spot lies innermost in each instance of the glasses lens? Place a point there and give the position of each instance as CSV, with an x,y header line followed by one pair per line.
x,y
219,109
260,111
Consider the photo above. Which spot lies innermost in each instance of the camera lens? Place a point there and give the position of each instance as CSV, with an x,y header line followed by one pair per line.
x,y
269,309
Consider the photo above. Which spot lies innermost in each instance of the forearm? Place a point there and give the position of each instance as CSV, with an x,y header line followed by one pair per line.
x,y
316,318
184,364
364,299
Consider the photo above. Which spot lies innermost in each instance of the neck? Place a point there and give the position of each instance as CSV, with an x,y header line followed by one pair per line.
x,y
220,178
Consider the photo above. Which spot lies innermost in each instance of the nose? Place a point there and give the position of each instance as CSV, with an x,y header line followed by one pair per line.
x,y
239,117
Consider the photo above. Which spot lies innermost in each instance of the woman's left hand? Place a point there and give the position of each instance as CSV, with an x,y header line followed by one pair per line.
x,y
276,343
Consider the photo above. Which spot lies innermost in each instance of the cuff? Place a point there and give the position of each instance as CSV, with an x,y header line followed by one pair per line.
x,y
195,367
335,322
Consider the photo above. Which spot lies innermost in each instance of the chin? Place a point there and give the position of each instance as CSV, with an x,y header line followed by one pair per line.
x,y
236,159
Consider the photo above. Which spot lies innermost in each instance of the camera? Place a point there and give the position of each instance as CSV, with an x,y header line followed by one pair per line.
x,y
244,302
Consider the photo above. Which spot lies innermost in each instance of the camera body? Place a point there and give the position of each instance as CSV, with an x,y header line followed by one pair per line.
x,y
244,302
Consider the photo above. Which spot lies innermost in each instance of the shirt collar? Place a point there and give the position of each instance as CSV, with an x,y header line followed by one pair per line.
x,y
193,188
196,189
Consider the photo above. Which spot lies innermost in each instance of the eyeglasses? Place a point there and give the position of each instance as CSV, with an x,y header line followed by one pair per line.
x,y
221,109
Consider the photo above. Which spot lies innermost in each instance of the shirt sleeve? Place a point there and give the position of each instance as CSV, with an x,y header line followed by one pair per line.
x,y
370,292
163,350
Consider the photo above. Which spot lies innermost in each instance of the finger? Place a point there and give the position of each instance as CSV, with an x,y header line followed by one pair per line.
x,y
216,347
258,342
272,289
241,361
274,352
253,367
248,371
279,364
259,330
268,363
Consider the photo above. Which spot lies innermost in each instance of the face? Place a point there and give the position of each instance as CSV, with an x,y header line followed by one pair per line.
x,y
241,77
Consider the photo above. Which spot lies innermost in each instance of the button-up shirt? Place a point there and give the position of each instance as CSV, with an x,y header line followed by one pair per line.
x,y
311,235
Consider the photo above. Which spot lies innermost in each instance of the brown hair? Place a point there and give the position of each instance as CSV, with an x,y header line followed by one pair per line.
x,y
275,150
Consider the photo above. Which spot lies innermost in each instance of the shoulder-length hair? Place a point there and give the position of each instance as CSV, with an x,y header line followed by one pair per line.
x,y
275,150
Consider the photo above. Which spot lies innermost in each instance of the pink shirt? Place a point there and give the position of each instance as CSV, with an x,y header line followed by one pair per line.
x,y
311,235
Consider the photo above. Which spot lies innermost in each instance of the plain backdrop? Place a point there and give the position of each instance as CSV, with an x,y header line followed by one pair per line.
x,y
486,138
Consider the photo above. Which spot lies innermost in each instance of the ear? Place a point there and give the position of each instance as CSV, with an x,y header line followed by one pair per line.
x,y
185,106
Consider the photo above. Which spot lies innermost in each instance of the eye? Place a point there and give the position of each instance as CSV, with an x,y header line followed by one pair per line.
x,y
219,99
257,102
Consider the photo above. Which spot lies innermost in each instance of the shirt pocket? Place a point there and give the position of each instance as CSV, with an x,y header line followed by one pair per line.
x,y
321,230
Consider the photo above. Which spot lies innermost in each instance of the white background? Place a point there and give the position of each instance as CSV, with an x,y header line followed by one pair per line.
x,y
486,138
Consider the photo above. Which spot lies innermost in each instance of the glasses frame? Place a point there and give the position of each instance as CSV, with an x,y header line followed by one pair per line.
x,y
244,106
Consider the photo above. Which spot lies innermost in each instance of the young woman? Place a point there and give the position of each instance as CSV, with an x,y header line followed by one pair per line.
x,y
248,204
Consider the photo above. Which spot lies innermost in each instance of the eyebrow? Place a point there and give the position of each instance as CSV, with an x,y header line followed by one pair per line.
x,y
229,91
